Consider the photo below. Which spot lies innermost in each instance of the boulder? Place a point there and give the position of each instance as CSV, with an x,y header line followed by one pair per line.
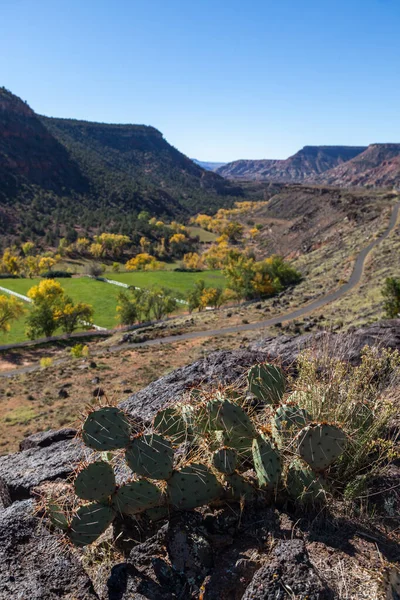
x,y
25,470
288,574
34,564
347,345
5,498
46,438
223,367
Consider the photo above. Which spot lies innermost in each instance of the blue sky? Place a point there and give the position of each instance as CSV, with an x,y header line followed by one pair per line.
x,y
222,79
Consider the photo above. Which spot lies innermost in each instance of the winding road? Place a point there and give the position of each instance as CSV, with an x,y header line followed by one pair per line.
x,y
354,280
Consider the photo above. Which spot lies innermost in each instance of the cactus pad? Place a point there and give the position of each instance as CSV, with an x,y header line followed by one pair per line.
x,y
157,513
193,486
288,420
267,462
171,423
225,460
106,429
230,417
239,488
95,482
320,444
303,485
150,455
136,496
57,516
267,383
89,523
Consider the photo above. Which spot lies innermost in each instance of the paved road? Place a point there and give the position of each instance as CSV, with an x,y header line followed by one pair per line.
x,y
300,312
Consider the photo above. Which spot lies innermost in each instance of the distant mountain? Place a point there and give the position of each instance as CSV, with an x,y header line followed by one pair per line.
x,y
57,174
377,166
208,166
305,165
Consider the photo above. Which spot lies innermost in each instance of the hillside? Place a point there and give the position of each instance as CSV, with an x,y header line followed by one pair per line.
x,y
377,166
306,164
56,174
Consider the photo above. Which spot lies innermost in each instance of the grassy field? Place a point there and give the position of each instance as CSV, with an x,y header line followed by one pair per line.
x,y
204,236
174,280
103,296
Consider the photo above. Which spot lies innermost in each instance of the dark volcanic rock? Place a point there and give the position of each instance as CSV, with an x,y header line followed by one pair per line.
x,y
33,564
288,574
46,438
27,469
347,346
219,367
5,498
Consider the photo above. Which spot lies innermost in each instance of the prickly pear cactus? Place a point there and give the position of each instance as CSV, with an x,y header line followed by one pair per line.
x,y
267,463
288,420
57,516
303,484
230,417
267,383
136,497
239,489
106,429
150,455
89,523
95,482
320,444
225,460
193,486
171,423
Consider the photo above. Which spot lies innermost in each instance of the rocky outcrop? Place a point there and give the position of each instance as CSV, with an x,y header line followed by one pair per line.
x,y
33,563
288,573
218,368
47,438
26,470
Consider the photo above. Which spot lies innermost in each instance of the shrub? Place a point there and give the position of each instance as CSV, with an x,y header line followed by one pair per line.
x,y
46,362
391,293
79,351
56,274
94,269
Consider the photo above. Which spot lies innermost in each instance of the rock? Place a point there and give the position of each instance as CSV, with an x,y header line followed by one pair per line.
x,y
189,552
219,367
95,380
347,346
138,579
33,563
46,438
288,574
25,470
98,392
62,393
5,498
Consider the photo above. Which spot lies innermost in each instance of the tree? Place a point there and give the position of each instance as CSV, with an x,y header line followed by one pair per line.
x,y
127,309
52,309
211,297
193,262
161,302
28,248
143,262
194,295
10,310
70,316
46,263
391,293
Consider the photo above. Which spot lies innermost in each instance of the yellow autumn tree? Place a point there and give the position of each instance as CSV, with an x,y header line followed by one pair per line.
x,y
193,261
143,262
11,309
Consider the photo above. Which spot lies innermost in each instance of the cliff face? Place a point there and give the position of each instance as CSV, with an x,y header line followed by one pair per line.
x,y
305,165
378,165
29,153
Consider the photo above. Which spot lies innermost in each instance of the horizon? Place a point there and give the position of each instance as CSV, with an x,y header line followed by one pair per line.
x,y
261,81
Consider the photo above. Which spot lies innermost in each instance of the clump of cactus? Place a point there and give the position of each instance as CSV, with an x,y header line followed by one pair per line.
x,y
278,442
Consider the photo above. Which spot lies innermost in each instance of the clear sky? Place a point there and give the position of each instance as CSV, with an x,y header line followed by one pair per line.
x,y
222,79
